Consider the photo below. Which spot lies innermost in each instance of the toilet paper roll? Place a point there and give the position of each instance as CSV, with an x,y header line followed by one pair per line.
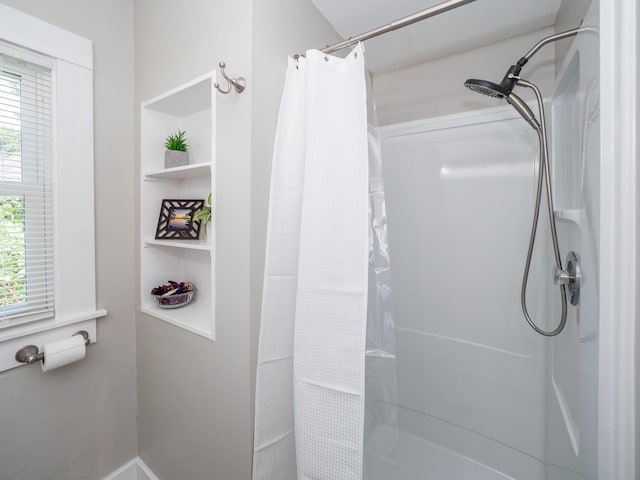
x,y
63,352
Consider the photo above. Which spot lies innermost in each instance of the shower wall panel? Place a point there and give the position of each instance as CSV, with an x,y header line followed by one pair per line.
x,y
471,372
572,431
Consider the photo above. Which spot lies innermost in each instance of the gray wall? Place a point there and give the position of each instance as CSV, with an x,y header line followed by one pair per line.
x,y
637,345
436,88
79,422
196,397
194,394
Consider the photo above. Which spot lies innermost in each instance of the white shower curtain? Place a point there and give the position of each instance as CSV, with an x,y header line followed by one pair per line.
x,y
311,362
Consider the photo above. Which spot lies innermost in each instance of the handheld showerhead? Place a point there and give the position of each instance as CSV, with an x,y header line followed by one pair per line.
x,y
524,110
485,87
496,90
509,81
504,90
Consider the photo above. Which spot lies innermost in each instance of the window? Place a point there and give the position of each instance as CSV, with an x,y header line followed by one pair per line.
x,y
47,281
26,226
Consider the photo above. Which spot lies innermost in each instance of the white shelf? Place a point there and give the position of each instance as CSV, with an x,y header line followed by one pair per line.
x,y
180,173
574,216
188,99
189,108
187,244
194,317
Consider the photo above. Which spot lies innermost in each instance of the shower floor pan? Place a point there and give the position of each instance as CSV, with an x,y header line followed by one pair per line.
x,y
420,459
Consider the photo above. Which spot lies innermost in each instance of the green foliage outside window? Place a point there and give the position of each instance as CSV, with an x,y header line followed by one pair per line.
x,y
12,217
12,243
10,141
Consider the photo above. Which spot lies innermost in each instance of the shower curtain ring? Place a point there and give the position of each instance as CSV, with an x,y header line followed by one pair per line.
x,y
238,83
350,44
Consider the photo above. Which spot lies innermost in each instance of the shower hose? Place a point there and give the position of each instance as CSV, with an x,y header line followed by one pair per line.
x,y
542,174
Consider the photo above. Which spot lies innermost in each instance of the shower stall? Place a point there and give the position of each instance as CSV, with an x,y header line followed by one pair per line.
x,y
475,367
480,394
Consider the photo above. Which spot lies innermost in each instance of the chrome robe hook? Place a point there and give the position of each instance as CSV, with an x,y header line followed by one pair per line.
x,y
238,83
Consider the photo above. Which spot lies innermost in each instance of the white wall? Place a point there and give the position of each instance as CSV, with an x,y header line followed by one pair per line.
x,y
79,422
471,373
565,383
437,87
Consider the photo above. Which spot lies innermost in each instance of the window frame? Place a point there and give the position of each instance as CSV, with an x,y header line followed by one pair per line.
x,y
73,182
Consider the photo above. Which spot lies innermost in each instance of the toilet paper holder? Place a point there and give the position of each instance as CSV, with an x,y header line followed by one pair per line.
x,y
32,354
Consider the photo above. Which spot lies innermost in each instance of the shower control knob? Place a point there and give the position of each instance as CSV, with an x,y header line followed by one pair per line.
x,y
562,277
571,277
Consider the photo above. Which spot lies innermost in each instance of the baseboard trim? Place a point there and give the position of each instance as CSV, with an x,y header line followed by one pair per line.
x,y
145,470
134,469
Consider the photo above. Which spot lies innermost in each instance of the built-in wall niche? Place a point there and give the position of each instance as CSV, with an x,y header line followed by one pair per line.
x,y
189,108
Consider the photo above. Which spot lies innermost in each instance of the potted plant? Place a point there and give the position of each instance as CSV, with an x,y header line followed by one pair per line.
x,y
177,153
204,214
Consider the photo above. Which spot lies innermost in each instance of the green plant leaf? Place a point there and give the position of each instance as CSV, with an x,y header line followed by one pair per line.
x,y
177,142
204,214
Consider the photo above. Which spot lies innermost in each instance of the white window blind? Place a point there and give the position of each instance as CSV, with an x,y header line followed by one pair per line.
x,y
26,199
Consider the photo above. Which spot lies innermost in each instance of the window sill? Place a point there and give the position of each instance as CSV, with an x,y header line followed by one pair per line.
x,y
18,331
44,331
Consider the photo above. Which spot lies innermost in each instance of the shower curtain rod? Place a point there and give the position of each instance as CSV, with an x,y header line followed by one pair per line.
x,y
397,24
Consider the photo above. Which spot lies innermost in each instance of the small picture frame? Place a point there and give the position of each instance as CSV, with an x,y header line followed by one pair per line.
x,y
176,220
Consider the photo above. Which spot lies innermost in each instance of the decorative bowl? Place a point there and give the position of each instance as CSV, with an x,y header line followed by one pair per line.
x,y
176,300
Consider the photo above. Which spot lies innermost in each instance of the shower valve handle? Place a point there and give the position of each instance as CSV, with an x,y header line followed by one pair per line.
x,y
571,277
562,277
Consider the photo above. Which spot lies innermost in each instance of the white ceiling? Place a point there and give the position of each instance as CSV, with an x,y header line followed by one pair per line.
x,y
478,23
